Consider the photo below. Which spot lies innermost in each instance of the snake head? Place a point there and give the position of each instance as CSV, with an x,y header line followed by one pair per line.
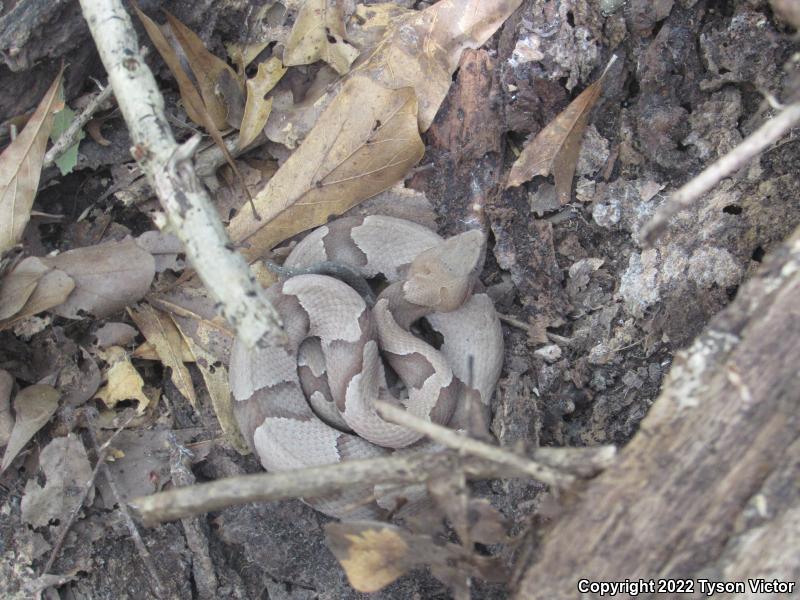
x,y
442,277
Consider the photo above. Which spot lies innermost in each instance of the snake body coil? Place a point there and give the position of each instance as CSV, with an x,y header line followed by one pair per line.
x,y
311,404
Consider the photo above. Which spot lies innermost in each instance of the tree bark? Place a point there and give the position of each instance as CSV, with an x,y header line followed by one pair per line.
x,y
707,489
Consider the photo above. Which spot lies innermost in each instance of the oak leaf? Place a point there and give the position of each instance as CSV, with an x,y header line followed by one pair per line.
x,y
193,102
555,148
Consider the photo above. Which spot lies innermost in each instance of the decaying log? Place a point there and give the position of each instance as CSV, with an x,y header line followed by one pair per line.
x,y
707,489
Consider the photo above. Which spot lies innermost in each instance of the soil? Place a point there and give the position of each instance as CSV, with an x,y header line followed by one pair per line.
x,y
599,316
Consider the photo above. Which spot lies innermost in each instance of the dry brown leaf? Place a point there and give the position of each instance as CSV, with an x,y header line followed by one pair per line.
x,y
318,33
123,381
258,107
555,148
34,285
370,22
140,466
422,49
372,555
160,331
17,286
192,100
6,420
67,471
21,167
215,376
108,277
33,407
219,85
364,142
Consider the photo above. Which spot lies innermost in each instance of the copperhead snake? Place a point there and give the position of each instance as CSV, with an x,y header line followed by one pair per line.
x,y
309,403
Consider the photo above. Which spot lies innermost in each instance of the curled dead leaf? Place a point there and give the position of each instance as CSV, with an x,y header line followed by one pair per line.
x,y
21,167
555,148
18,285
51,287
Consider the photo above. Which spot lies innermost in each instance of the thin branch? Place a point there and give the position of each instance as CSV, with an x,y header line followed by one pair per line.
x,y
467,445
168,168
70,136
758,141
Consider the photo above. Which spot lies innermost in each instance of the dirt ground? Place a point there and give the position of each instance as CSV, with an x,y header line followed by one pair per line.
x,y
595,316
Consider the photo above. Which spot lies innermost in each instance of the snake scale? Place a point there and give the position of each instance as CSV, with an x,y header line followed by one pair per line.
x,y
310,403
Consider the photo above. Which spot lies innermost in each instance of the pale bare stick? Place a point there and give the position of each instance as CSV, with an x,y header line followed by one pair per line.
x,y
70,136
467,445
758,141
169,170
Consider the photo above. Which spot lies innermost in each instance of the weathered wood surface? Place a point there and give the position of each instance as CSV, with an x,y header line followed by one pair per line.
x,y
708,488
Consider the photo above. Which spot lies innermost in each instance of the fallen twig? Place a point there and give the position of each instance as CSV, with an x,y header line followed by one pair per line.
x,y
467,445
169,171
758,141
